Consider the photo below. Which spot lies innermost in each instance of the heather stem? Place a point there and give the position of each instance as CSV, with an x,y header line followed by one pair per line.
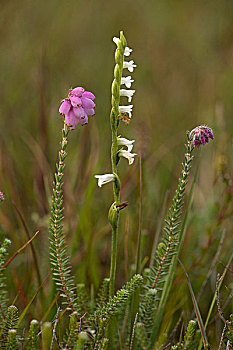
x,y
58,258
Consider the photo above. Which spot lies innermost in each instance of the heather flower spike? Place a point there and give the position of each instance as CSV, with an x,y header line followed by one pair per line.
x,y
77,107
104,179
201,135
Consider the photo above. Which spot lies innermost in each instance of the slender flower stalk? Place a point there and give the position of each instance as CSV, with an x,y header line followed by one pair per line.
x,y
167,251
61,272
75,110
119,56
121,51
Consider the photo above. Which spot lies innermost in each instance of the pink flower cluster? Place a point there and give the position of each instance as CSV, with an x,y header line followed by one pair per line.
x,y
201,135
77,107
2,198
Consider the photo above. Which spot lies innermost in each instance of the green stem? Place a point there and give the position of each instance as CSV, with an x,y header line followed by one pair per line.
x,y
119,55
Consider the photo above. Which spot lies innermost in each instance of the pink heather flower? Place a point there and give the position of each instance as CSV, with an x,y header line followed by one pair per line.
x,y
201,135
2,198
77,107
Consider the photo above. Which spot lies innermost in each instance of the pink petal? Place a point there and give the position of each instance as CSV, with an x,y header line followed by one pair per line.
x,y
79,112
89,95
87,103
65,107
78,91
71,120
90,111
75,101
84,120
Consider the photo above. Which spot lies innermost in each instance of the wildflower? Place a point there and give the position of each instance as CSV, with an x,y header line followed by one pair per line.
x,y
126,109
121,141
77,107
127,49
127,81
2,198
127,155
127,93
129,65
200,135
104,179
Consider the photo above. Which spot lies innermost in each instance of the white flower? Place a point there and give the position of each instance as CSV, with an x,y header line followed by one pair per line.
x,y
126,109
121,141
129,65
127,49
127,93
127,81
127,155
104,179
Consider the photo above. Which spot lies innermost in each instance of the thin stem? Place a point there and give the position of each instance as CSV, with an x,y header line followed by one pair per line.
x,y
119,55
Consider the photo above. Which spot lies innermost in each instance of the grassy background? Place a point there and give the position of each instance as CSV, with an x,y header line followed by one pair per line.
x,y
184,77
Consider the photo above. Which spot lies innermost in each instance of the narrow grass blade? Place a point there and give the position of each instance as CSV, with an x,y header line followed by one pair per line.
x,y
196,309
214,297
33,297
19,250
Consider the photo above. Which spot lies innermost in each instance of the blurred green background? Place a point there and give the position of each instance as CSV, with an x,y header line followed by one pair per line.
x,y
184,77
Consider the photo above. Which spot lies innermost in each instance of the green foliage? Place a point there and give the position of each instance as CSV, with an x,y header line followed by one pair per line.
x,y
103,294
58,256
189,342
46,335
12,342
33,341
72,335
9,323
82,340
169,246
147,309
103,314
189,337
121,297
3,293
141,336
229,332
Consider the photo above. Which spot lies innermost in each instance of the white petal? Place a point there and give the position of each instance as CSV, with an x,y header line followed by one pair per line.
x,y
103,179
127,155
121,141
127,93
126,109
129,65
127,51
127,81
